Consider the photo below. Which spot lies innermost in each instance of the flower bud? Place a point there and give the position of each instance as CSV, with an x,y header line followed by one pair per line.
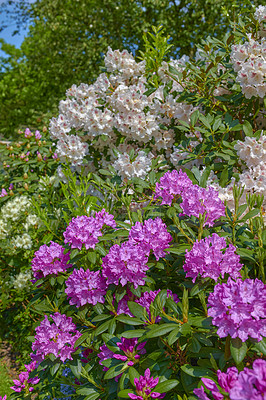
x,y
28,146
11,193
39,143
26,186
39,157
11,148
25,176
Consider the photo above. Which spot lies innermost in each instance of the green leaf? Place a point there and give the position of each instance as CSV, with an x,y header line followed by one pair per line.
x,y
137,310
197,372
126,319
246,253
261,346
102,328
81,339
133,373
133,333
181,249
173,336
238,350
250,215
160,330
124,393
166,386
247,128
114,371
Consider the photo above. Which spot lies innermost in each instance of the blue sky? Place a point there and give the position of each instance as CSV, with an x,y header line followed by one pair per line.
x,y
6,34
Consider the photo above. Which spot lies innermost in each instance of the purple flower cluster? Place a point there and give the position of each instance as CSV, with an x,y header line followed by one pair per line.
x,y
85,287
23,381
198,200
3,398
144,386
249,384
238,308
171,186
3,193
86,230
195,199
58,338
151,235
207,258
129,349
50,260
124,264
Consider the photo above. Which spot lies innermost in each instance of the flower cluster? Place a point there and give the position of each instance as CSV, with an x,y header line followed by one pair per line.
x,y
260,13
252,151
207,258
21,281
249,62
148,297
249,384
138,167
24,382
86,230
57,338
85,287
50,260
238,308
117,103
15,208
152,236
144,387
196,200
124,264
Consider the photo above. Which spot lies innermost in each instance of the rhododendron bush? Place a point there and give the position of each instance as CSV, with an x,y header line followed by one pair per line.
x,y
153,283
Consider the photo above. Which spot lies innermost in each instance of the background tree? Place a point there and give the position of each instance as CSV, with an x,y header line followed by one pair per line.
x,y
67,40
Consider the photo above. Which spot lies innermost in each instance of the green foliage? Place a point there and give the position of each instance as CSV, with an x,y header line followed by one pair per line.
x,y
67,40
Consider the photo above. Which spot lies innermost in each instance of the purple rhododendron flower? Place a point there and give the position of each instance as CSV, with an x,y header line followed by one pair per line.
x,y
38,135
171,186
129,348
3,193
151,235
56,338
50,260
198,200
84,287
226,381
28,133
125,264
207,259
3,398
144,386
23,381
251,383
238,308
195,199
86,230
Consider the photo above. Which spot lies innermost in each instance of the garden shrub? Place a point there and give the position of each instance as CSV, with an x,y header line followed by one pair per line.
x,y
152,282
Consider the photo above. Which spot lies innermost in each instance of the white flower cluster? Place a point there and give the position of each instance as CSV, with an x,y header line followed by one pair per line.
x,y
252,151
22,242
15,208
16,221
21,281
115,105
260,14
48,181
249,61
138,167
253,178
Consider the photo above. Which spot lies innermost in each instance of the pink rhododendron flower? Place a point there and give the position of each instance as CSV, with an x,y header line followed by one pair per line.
x,y
86,230
56,338
152,235
144,386
195,199
251,383
23,381
210,258
50,260
125,264
238,308
3,193
85,287
38,135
